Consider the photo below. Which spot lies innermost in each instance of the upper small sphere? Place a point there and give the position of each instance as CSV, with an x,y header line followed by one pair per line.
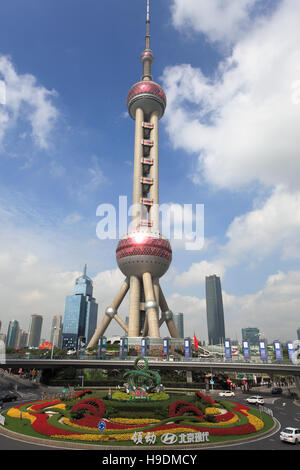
x,y
147,95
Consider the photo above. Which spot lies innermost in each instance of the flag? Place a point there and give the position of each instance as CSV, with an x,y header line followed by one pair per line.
x,y
196,344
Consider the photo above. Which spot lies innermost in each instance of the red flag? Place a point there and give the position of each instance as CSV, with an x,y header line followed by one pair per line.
x,y
196,344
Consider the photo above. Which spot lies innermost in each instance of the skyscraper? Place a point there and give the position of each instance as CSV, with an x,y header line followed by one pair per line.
x,y
81,311
143,255
214,310
35,330
12,334
56,331
252,335
22,339
178,320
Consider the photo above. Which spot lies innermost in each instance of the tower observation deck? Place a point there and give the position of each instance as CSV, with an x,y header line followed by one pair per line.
x,y
143,255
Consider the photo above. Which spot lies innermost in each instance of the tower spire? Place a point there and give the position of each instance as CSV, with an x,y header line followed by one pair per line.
x,y
84,270
147,57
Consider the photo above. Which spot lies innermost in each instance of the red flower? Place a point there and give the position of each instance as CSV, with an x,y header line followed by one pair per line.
x,y
179,408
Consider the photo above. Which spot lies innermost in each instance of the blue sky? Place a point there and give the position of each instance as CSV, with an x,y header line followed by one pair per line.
x,y
228,140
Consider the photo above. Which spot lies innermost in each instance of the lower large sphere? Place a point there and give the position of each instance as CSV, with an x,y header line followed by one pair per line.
x,y
139,253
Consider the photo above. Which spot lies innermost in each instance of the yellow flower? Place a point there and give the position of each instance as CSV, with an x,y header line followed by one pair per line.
x,y
15,413
212,411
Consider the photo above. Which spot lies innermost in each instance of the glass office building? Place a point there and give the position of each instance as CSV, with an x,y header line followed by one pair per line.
x,y
251,335
81,311
178,320
12,334
214,310
35,330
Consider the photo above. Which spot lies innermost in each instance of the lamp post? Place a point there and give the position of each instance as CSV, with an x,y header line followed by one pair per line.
x,y
52,350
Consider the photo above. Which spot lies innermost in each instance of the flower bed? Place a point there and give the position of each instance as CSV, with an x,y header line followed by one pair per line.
x,y
183,417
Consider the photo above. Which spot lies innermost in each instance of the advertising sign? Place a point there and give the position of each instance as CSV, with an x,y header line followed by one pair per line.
x,y
187,348
123,347
145,347
227,349
263,350
278,351
246,349
291,351
166,346
101,347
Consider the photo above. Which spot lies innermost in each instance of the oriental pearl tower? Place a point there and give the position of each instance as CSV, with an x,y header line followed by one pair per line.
x,y
144,254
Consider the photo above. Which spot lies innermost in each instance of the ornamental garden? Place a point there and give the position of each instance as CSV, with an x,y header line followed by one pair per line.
x,y
138,413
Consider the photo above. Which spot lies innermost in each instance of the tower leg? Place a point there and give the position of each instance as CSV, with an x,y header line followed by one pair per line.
x,y
151,306
134,307
110,313
167,315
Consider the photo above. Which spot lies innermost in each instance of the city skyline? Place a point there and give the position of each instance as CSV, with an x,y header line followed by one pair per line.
x,y
228,140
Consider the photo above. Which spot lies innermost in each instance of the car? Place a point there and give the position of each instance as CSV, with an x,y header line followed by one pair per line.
x,y
8,397
290,435
256,400
227,393
276,391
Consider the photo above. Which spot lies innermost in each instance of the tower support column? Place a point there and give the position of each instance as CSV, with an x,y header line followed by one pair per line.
x,y
134,307
137,173
151,306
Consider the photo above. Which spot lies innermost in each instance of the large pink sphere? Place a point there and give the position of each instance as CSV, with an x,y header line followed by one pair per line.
x,y
139,253
147,95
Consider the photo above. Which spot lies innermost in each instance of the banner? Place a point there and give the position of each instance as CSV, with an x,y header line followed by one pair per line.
x,y
101,347
145,347
278,351
291,350
196,343
263,350
166,345
187,348
246,349
123,347
227,349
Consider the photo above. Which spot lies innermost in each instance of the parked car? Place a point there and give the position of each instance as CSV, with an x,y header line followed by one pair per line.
x,y
8,397
290,435
227,393
276,391
256,400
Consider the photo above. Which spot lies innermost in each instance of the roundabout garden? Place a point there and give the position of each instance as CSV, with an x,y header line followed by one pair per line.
x,y
140,413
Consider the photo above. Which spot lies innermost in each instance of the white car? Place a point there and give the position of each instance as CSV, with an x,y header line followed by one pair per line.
x,y
290,435
256,399
227,393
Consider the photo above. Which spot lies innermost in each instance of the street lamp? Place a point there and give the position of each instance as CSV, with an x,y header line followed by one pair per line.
x,y
52,350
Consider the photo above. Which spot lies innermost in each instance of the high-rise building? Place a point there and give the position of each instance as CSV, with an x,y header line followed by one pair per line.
x,y
35,330
251,335
81,311
178,320
144,254
298,333
214,310
12,334
56,331
22,339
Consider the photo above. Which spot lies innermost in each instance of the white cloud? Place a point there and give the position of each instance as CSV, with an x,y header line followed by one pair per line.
x,y
26,101
272,228
220,20
243,122
197,273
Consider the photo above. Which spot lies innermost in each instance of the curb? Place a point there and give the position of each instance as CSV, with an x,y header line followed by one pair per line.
x,y
76,446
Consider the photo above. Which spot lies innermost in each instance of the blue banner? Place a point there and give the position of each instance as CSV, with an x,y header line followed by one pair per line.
x,y
123,347
166,345
291,350
101,347
187,348
145,347
278,351
246,349
263,350
227,349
